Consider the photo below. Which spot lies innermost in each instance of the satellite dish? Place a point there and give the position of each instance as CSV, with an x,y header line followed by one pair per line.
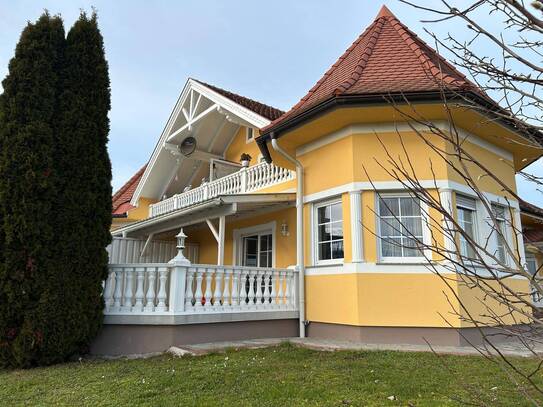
x,y
187,146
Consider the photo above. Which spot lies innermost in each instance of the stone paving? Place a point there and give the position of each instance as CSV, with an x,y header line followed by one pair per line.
x,y
508,349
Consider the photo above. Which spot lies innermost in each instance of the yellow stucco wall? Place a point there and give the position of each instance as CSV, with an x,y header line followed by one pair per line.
x,y
239,145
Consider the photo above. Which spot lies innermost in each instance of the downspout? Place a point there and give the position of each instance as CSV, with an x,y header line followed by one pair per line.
x,y
299,229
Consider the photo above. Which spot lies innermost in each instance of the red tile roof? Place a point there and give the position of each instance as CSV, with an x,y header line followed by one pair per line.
x,y
121,198
386,58
263,110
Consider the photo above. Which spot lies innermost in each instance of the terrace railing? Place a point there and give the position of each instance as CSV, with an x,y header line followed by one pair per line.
x,y
245,180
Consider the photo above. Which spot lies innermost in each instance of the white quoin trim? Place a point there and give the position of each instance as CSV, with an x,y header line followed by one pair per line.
x,y
195,90
357,241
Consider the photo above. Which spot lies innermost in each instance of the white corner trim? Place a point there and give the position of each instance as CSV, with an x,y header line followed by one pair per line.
x,y
372,128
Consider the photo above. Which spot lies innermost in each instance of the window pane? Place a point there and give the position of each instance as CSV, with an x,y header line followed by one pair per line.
x,y
263,259
410,207
390,227
531,265
388,207
336,212
337,249
336,230
411,247
324,214
324,232
412,227
264,242
324,251
391,247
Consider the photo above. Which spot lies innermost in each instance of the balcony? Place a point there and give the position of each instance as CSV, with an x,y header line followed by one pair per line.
x,y
244,181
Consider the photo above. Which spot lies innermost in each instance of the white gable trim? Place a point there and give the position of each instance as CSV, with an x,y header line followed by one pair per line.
x,y
222,102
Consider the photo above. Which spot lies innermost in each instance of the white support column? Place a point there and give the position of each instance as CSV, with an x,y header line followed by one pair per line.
x,y
357,230
517,229
446,197
220,254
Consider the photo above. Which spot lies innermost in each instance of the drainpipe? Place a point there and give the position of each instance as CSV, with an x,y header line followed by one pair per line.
x,y
299,229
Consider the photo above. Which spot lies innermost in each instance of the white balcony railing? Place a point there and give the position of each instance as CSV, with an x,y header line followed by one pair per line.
x,y
148,289
246,180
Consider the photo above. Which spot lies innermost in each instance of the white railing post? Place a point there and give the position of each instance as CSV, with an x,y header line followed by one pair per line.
x,y
108,289
226,300
243,175
178,276
217,294
205,187
189,290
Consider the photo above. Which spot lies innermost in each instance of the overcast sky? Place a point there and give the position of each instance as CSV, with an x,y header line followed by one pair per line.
x,y
272,51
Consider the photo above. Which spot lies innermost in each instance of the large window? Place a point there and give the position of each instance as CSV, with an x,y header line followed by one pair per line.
x,y
400,227
466,211
329,229
257,250
499,231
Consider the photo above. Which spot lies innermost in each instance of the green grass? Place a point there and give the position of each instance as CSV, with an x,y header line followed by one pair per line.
x,y
280,376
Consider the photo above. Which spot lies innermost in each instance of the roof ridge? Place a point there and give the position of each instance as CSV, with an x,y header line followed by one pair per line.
x,y
364,58
417,45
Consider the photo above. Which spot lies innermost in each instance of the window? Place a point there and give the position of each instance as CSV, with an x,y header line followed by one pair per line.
x,y
465,209
249,136
329,225
400,227
531,264
257,250
499,214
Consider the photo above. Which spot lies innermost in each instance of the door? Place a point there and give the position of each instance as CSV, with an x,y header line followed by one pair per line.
x,y
257,250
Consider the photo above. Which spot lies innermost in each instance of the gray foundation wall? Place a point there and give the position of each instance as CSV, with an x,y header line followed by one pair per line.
x,y
405,335
117,340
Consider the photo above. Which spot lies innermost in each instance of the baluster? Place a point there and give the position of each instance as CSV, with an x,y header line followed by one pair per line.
x,y
226,300
140,275
252,275
108,289
235,299
267,288
258,286
118,295
280,292
273,294
162,279
198,295
150,295
217,294
243,293
128,286
208,293
188,291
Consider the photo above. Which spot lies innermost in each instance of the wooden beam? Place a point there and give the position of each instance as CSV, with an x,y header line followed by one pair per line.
x,y
220,254
188,125
213,230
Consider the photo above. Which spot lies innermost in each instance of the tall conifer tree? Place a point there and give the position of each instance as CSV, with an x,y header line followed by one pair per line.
x,y
84,215
29,288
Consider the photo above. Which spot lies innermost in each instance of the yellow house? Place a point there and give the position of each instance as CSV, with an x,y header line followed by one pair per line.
x,y
294,241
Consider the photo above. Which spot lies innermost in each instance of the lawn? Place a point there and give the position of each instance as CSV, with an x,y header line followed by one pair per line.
x,y
280,376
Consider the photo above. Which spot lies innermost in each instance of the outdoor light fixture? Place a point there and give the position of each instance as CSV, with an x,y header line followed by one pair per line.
x,y
284,229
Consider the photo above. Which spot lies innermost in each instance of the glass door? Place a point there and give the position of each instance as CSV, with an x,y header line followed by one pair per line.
x,y
257,250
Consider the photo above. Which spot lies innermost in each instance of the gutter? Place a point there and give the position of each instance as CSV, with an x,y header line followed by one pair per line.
x,y
299,230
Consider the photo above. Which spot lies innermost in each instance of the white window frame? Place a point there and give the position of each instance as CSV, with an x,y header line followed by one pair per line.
x,y
239,234
248,130
506,232
426,233
315,231
475,220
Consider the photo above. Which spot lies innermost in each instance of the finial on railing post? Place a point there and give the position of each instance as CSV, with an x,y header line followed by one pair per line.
x,y
180,257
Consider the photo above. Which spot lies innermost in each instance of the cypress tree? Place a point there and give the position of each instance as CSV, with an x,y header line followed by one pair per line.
x,y
84,215
29,287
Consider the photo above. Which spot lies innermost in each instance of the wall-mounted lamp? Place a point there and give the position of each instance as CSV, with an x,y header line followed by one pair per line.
x,y
284,229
